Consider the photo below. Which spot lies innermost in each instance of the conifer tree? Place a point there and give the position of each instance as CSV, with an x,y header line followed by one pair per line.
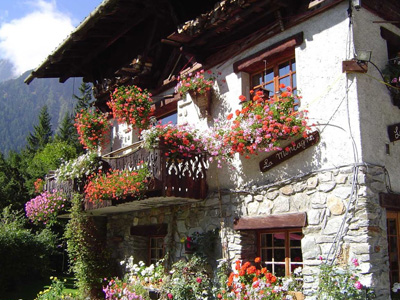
x,y
42,132
68,133
85,98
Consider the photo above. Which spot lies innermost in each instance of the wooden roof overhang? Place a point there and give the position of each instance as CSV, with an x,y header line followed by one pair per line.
x,y
138,41
116,33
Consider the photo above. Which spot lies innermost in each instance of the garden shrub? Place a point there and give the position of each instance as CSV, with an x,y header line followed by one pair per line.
x,y
23,254
89,258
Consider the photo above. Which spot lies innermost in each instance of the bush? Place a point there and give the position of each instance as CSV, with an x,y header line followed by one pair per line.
x,y
23,254
89,259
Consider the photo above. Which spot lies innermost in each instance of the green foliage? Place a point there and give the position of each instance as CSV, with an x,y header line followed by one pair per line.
x,y
50,158
189,280
84,98
86,249
55,291
42,132
67,132
12,189
23,254
341,282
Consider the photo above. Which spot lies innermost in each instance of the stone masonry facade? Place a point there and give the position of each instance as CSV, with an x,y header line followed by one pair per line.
x,y
342,200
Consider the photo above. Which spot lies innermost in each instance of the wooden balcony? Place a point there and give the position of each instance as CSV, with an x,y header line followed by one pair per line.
x,y
172,182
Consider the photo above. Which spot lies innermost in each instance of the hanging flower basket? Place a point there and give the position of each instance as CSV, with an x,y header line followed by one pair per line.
x,y
93,128
132,105
202,101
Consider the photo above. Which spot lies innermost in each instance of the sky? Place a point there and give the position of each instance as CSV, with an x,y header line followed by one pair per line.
x,y
31,29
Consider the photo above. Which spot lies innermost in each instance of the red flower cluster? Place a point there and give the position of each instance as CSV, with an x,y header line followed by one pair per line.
x,y
180,141
247,277
117,185
93,127
39,185
262,123
132,105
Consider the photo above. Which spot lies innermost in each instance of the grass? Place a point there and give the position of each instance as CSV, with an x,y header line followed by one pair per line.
x,y
29,290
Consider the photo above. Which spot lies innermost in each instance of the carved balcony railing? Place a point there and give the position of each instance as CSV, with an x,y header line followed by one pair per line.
x,y
68,187
183,178
177,178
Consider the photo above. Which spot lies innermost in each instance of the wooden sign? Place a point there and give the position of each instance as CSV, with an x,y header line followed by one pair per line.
x,y
394,132
289,151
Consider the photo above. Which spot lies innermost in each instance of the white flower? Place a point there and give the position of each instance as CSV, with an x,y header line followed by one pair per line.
x,y
396,287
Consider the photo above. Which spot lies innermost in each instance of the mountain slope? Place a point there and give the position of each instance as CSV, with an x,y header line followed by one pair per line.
x,y
5,70
20,105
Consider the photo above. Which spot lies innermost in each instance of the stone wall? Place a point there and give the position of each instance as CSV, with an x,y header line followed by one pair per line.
x,y
330,199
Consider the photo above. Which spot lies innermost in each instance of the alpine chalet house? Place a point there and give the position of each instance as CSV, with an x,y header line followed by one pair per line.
x,y
295,193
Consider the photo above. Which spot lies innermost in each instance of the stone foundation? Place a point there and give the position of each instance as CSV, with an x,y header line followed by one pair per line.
x,y
330,199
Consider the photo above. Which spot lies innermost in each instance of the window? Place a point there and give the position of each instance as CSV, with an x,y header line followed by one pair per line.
x,y
271,78
156,249
281,250
148,242
393,245
172,118
274,238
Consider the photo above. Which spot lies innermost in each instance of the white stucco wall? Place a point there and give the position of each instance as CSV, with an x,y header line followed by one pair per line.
x,y
351,111
376,108
323,87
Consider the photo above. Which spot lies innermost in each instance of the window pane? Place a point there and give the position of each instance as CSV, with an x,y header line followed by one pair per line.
x,y
293,65
270,87
257,80
279,239
285,81
295,255
170,119
269,76
284,69
279,255
294,80
279,270
264,255
392,226
295,239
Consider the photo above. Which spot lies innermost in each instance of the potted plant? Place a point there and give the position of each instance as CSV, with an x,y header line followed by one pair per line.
x,y
93,127
177,140
117,184
198,86
132,105
262,124
391,75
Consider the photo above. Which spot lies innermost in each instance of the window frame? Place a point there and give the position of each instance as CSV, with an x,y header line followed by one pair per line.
x,y
149,248
287,232
274,65
393,215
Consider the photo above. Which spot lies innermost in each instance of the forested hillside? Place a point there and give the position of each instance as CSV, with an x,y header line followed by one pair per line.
x,y
20,105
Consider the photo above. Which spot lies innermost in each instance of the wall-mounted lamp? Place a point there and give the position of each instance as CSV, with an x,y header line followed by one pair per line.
x,y
364,55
